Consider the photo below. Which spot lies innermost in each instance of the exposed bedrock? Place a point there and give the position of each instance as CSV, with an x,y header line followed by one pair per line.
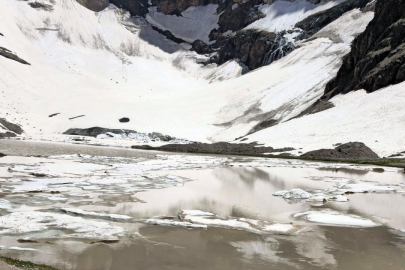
x,y
312,24
95,131
94,5
223,148
174,7
11,129
135,7
10,55
347,151
377,58
254,48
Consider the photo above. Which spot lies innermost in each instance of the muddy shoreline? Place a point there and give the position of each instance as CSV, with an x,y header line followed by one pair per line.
x,y
352,153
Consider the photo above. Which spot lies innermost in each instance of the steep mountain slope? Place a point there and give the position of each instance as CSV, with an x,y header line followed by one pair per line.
x,y
377,58
94,68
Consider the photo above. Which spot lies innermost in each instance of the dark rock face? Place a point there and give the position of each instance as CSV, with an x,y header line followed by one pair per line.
x,y
11,127
223,148
124,120
175,7
316,22
254,48
347,151
94,5
234,19
135,7
95,131
377,58
168,35
10,55
200,47
2,155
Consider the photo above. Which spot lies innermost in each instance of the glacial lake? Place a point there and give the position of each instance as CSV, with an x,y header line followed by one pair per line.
x,y
90,208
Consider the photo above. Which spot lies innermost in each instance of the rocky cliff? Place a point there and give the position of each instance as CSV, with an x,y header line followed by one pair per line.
x,y
377,58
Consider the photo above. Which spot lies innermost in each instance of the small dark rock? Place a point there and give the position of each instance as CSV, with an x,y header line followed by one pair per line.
x,y
2,155
55,114
42,6
76,117
124,120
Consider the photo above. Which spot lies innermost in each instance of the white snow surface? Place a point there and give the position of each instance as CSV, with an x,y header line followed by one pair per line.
x,y
283,15
381,130
86,63
195,23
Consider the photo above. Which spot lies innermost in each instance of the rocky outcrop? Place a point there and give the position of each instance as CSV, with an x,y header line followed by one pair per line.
x,y
10,55
254,48
12,130
200,47
347,151
42,6
222,148
316,22
94,5
377,58
135,7
237,16
95,131
175,7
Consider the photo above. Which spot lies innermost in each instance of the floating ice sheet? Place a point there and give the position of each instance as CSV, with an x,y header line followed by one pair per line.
x,y
33,221
201,219
334,218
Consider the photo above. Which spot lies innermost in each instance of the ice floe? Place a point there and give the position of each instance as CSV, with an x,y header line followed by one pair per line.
x,y
4,204
34,221
201,219
297,194
81,212
334,218
171,221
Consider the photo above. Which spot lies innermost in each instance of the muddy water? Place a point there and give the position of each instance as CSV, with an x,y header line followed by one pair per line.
x,y
244,191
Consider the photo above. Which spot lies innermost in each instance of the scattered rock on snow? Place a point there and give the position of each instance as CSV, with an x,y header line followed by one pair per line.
x,y
10,55
124,120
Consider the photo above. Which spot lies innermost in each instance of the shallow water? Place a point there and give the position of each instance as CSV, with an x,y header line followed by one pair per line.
x,y
142,185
